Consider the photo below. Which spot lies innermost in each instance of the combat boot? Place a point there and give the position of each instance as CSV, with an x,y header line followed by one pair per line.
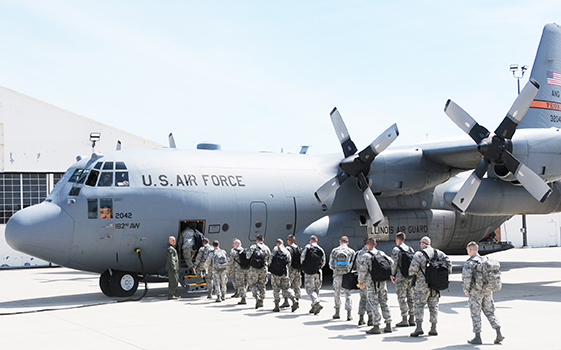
x,y
361,320
295,304
411,320
236,295
418,330
285,304
476,340
276,309
336,316
374,330
318,308
433,329
403,322
242,302
218,299
370,321
258,303
499,337
388,328
349,315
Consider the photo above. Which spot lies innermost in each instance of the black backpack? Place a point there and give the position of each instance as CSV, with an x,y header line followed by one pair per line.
x,y
296,253
198,240
243,260
405,260
381,267
436,272
278,264
312,262
258,257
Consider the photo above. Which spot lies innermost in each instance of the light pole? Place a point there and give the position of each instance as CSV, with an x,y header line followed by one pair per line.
x,y
514,69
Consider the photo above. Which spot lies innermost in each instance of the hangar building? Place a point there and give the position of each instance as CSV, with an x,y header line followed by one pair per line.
x,y
38,142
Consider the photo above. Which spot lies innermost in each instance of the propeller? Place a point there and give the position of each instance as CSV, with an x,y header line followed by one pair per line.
x,y
357,165
497,149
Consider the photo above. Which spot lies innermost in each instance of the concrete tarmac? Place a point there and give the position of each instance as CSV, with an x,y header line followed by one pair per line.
x,y
59,308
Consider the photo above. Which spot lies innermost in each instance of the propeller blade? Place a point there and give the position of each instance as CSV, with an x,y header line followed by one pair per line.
x,y
518,110
465,195
171,141
462,119
529,179
372,206
379,144
347,144
330,187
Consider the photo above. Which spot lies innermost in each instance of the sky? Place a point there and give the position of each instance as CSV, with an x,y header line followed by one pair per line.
x,y
264,75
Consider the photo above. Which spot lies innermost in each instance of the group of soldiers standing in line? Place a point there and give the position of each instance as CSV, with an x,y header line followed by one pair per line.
x,y
248,269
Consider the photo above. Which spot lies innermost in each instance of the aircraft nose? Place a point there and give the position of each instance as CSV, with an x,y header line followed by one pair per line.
x,y
44,231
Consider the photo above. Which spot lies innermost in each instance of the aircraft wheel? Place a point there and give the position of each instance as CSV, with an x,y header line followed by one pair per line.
x,y
123,284
105,283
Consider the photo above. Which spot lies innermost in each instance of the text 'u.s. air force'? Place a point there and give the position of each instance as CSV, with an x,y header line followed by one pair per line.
x,y
218,180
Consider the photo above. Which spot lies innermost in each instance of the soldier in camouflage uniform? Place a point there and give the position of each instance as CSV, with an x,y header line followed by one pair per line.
x,y
402,283
421,291
294,274
187,244
363,305
341,261
258,276
312,282
239,274
200,263
219,273
281,282
172,267
230,270
478,298
376,292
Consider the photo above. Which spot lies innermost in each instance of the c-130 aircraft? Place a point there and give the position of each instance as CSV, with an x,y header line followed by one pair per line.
x,y
108,207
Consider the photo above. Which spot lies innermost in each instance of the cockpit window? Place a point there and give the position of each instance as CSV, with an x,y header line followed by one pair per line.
x,y
92,178
121,178
108,166
92,208
78,175
120,166
98,165
106,179
106,208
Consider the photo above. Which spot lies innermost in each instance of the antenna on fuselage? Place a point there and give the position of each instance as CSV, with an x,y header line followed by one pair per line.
x,y
171,141
94,137
118,148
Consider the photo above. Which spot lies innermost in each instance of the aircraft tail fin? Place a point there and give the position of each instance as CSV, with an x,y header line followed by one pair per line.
x,y
545,110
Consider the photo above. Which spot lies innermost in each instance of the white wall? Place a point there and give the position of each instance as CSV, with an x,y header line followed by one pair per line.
x,y
543,230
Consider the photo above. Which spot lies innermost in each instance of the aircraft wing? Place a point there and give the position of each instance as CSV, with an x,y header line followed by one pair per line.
x,y
459,152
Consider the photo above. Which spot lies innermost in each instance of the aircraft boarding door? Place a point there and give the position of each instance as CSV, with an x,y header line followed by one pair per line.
x,y
552,230
258,220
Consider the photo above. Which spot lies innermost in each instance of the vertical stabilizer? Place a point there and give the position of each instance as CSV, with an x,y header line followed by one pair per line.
x,y
545,110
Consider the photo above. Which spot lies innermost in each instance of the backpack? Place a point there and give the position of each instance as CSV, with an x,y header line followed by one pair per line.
x,y
405,260
258,257
312,262
198,240
296,253
220,260
278,264
342,260
436,272
243,260
491,275
381,267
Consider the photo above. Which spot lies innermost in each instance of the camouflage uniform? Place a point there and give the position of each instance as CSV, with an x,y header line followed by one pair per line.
x,y
295,276
281,282
312,283
363,305
219,276
172,267
339,269
403,287
421,292
478,299
187,244
258,277
200,264
240,275
376,292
